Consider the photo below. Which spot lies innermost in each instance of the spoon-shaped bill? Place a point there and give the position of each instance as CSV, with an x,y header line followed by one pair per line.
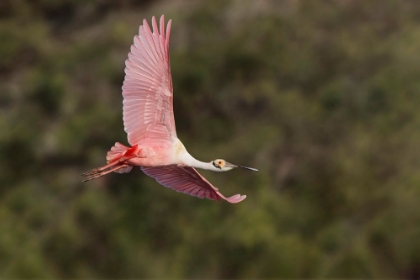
x,y
231,165
249,168
228,164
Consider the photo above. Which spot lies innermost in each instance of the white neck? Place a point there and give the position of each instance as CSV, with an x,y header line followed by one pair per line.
x,y
183,157
203,165
187,159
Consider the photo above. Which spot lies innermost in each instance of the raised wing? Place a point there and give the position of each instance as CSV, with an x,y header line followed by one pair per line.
x,y
187,180
147,88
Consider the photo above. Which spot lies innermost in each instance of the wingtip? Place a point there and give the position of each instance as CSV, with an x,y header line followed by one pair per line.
x,y
161,31
236,198
154,25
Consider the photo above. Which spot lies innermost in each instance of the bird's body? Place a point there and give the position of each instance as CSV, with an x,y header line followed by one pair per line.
x,y
150,154
150,125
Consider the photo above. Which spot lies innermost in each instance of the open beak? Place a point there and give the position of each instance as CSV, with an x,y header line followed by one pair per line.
x,y
240,166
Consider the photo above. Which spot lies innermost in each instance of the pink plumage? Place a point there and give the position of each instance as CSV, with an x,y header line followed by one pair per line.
x,y
149,122
147,88
187,180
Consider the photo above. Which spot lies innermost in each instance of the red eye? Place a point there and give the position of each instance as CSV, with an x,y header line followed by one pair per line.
x,y
220,162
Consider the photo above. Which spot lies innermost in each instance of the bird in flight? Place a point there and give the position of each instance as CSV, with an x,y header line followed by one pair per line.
x,y
149,122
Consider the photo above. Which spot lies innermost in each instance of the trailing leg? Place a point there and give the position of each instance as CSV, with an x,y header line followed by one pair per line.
x,y
101,171
116,159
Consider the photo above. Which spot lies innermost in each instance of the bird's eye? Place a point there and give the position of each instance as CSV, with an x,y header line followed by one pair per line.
x,y
220,162
216,165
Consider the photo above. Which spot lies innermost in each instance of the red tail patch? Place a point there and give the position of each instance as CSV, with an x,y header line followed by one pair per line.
x,y
119,151
116,152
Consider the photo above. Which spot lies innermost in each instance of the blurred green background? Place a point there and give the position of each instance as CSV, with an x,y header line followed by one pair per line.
x,y
323,97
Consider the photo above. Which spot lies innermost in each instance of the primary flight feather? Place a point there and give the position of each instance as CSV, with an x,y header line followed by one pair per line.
x,y
149,122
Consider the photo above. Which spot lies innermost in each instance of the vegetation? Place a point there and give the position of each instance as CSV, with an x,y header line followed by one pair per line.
x,y
322,97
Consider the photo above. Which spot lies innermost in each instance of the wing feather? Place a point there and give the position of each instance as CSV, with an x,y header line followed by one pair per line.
x,y
147,87
187,180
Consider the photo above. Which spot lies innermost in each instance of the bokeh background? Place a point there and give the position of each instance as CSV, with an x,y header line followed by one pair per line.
x,y
323,97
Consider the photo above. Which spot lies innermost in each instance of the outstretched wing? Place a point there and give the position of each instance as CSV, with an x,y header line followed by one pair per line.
x,y
147,88
187,180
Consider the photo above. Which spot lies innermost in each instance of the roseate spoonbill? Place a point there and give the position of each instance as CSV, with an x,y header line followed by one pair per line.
x,y
149,122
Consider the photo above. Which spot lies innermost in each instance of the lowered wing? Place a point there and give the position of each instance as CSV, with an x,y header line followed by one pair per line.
x,y
187,180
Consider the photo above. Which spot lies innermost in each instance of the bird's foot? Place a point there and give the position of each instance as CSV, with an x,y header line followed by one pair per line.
x,y
101,171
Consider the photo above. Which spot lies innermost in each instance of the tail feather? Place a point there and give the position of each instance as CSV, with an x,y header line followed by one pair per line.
x,y
116,162
116,152
124,170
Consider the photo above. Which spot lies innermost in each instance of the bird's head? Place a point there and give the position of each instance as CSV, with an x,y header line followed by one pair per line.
x,y
223,165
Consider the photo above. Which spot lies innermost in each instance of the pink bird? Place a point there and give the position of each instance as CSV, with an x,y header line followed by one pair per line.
x,y
149,122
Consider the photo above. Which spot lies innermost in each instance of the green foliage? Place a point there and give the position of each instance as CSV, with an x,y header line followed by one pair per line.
x,y
322,98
